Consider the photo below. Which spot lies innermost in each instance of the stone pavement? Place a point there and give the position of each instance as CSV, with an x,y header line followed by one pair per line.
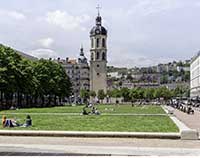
x,y
192,121
25,146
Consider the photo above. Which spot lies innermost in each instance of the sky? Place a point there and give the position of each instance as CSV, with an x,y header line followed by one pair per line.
x,y
140,32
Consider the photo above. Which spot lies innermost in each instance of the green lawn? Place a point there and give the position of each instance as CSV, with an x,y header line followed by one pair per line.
x,y
102,108
100,123
96,123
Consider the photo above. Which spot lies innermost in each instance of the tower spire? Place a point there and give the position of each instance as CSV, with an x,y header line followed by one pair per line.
x,y
98,9
98,19
81,50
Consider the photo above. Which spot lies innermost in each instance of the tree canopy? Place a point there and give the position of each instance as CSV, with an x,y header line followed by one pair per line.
x,y
26,83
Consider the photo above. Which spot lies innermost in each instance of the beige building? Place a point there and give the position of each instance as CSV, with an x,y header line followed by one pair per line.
x,y
78,72
195,76
98,60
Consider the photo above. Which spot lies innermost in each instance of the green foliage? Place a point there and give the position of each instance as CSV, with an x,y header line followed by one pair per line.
x,y
125,94
101,94
92,94
148,93
116,93
181,91
164,79
30,81
84,94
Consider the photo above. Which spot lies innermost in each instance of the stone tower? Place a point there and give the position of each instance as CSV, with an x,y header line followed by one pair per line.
x,y
98,59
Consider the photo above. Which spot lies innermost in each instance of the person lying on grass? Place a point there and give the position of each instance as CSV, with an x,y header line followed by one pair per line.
x,y
9,122
13,123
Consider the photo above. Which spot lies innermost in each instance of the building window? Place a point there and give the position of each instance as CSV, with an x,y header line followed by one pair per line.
x,y
97,55
97,65
103,42
97,43
98,74
103,56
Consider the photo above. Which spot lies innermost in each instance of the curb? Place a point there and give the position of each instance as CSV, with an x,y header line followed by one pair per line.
x,y
148,135
186,133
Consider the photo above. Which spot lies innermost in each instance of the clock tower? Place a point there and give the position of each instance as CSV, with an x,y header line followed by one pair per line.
x,y
98,58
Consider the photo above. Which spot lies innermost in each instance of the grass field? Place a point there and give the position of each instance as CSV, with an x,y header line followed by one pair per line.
x,y
96,123
102,108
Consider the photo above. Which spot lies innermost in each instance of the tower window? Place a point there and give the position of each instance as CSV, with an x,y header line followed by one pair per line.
x,y
97,43
98,74
92,58
103,42
97,57
97,65
92,43
103,56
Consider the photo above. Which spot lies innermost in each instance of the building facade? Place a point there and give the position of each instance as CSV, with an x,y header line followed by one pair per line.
x,y
98,59
78,72
195,76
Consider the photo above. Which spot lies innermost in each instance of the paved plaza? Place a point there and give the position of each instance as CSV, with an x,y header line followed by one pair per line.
x,y
192,121
97,146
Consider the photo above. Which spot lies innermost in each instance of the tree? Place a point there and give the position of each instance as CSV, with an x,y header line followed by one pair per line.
x,y
134,94
148,93
164,79
129,77
109,95
92,94
125,94
181,91
84,94
25,83
101,95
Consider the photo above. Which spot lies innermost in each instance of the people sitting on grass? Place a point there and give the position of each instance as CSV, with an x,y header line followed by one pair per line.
x,y
95,111
28,121
92,110
84,112
13,123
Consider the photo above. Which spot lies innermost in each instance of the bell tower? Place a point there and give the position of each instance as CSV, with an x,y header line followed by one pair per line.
x,y
98,58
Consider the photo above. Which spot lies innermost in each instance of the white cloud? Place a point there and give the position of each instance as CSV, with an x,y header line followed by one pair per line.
x,y
46,42
147,7
12,14
44,53
66,21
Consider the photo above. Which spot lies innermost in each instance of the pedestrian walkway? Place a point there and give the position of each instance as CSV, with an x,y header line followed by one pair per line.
x,y
192,121
56,146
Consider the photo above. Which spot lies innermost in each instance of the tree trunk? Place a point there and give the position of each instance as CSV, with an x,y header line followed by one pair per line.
x,y
55,98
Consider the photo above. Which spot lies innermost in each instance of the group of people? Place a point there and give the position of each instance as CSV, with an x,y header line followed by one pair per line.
x,y
13,123
92,110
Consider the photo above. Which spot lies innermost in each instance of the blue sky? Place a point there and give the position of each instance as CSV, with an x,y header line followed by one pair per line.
x,y
140,32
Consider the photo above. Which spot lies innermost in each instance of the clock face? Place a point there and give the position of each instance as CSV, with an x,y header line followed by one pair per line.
x,y
97,31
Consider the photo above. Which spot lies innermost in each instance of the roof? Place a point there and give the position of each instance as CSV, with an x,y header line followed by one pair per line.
x,y
23,54
72,61
195,57
98,29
